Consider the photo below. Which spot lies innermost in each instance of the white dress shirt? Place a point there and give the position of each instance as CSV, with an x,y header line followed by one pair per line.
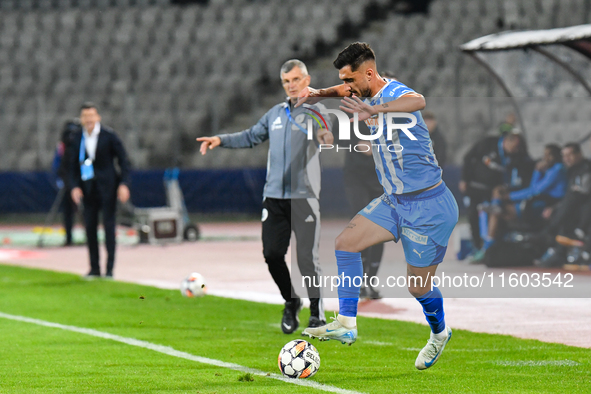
x,y
91,140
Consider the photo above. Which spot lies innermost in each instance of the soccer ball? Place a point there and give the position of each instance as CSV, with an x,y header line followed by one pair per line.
x,y
298,359
193,285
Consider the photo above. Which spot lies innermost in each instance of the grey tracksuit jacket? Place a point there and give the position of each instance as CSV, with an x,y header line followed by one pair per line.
x,y
293,162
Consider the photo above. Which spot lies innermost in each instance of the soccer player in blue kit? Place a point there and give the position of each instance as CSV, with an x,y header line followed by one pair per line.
x,y
416,208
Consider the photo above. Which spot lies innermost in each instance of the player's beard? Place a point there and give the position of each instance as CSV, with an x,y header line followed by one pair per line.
x,y
366,93
362,93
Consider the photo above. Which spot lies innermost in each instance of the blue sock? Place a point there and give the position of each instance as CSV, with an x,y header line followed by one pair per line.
x,y
349,266
432,303
483,222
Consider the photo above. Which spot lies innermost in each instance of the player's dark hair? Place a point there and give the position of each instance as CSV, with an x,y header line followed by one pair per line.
x,y
72,126
575,146
354,55
89,105
554,150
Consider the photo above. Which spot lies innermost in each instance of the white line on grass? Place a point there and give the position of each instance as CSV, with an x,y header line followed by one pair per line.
x,y
418,349
177,353
378,343
541,363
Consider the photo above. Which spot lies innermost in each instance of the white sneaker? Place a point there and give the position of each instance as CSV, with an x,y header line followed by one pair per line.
x,y
334,330
432,350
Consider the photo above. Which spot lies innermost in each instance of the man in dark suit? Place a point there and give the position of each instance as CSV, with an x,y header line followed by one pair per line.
x,y
97,182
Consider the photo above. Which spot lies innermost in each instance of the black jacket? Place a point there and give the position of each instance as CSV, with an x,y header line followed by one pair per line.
x,y
579,178
439,146
577,194
106,177
63,172
486,166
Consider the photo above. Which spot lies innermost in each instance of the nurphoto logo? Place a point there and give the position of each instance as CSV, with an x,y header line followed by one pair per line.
x,y
376,124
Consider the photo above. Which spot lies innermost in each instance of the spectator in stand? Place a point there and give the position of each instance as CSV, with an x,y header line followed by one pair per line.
x,y
508,126
491,162
437,138
566,215
546,188
581,253
61,167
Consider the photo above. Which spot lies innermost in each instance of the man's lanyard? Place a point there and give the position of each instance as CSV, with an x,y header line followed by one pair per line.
x,y
288,112
82,148
88,161
86,168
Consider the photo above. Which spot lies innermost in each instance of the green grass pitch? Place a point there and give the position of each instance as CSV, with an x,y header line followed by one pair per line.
x,y
39,359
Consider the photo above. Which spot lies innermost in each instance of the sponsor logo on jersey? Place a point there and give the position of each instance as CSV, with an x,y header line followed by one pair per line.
x,y
277,124
414,236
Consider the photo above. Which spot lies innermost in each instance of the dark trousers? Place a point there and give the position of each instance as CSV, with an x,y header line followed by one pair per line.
x,y
69,209
280,218
94,202
567,215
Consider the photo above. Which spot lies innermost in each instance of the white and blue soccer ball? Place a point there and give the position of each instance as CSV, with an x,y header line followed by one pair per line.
x,y
299,359
193,285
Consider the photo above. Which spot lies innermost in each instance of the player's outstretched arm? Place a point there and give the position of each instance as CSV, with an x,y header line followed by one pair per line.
x,y
310,95
208,143
408,103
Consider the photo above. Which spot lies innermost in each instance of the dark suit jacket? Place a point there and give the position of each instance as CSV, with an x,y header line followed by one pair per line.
x,y
106,177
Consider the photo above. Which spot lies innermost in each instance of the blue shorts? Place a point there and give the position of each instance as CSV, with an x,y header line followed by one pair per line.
x,y
423,221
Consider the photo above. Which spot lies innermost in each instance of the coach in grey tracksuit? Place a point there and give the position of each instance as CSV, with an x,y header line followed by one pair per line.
x,y
292,189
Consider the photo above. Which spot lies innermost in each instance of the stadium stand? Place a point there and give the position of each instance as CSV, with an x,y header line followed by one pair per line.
x,y
165,74
423,51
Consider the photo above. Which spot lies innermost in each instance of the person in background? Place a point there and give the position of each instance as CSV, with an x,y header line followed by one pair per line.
x,y
565,216
97,183
508,125
546,188
488,165
292,190
61,167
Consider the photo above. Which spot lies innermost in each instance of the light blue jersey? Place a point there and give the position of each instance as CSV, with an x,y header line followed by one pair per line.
x,y
412,168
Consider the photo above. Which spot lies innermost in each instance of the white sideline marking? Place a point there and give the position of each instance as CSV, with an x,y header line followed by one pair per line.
x,y
378,343
560,363
177,353
416,349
